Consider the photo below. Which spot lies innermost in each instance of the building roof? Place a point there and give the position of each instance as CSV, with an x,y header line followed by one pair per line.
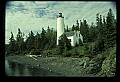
x,y
69,33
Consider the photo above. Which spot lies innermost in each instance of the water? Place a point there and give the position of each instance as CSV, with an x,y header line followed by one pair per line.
x,y
17,69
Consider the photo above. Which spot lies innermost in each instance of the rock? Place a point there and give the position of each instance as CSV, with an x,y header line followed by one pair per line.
x,y
109,64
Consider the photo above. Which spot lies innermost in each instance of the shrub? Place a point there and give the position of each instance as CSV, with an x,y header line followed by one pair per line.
x,y
59,50
66,54
109,64
74,52
35,51
24,52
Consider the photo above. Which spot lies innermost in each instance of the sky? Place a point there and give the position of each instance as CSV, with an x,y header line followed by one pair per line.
x,y
33,15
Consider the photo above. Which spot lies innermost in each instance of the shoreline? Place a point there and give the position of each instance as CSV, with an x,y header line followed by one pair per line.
x,y
66,66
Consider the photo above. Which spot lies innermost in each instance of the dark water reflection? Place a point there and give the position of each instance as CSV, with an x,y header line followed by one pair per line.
x,y
17,69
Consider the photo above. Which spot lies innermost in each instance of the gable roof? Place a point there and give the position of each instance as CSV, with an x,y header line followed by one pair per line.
x,y
69,33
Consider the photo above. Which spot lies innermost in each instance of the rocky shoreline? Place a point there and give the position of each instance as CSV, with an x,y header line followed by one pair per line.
x,y
65,66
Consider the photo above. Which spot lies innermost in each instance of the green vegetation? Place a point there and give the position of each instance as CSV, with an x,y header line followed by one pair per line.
x,y
98,52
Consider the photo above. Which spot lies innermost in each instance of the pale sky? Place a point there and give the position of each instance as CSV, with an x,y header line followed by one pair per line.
x,y
33,15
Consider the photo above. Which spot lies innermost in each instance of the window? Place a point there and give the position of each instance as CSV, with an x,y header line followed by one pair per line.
x,y
70,40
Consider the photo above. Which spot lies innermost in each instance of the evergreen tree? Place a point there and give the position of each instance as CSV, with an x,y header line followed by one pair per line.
x,y
104,29
77,26
101,26
37,41
64,42
47,38
110,38
73,28
92,33
43,33
12,46
43,37
86,31
67,30
30,42
81,27
20,41
53,38
97,23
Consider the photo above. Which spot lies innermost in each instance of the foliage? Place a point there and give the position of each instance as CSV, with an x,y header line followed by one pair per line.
x,y
45,40
59,50
12,46
80,42
20,41
110,38
30,41
109,64
86,52
102,36
75,52
92,33
84,30
35,52
64,42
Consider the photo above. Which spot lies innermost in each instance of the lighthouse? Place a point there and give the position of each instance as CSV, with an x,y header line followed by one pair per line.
x,y
60,26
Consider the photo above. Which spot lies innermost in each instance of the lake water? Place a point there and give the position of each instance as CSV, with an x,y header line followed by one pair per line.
x,y
17,69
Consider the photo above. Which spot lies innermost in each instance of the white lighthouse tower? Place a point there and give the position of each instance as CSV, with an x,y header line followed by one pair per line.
x,y
60,26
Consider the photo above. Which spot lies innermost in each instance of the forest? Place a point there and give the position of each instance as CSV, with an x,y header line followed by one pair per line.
x,y
99,43
101,37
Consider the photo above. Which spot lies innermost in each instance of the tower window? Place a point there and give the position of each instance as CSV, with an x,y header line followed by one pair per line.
x,y
60,14
70,40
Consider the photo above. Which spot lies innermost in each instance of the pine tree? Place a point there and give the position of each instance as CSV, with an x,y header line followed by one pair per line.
x,y
30,42
92,33
81,27
20,41
11,46
101,26
73,28
47,38
97,23
43,37
37,41
86,31
67,30
110,38
64,42
77,26
104,28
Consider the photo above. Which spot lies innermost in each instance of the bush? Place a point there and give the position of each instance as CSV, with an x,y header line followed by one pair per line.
x,y
54,51
35,52
59,50
17,52
86,52
74,52
66,54
24,52
109,64
80,42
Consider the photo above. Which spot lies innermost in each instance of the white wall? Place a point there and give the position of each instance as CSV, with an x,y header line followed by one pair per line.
x,y
60,27
72,40
76,38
